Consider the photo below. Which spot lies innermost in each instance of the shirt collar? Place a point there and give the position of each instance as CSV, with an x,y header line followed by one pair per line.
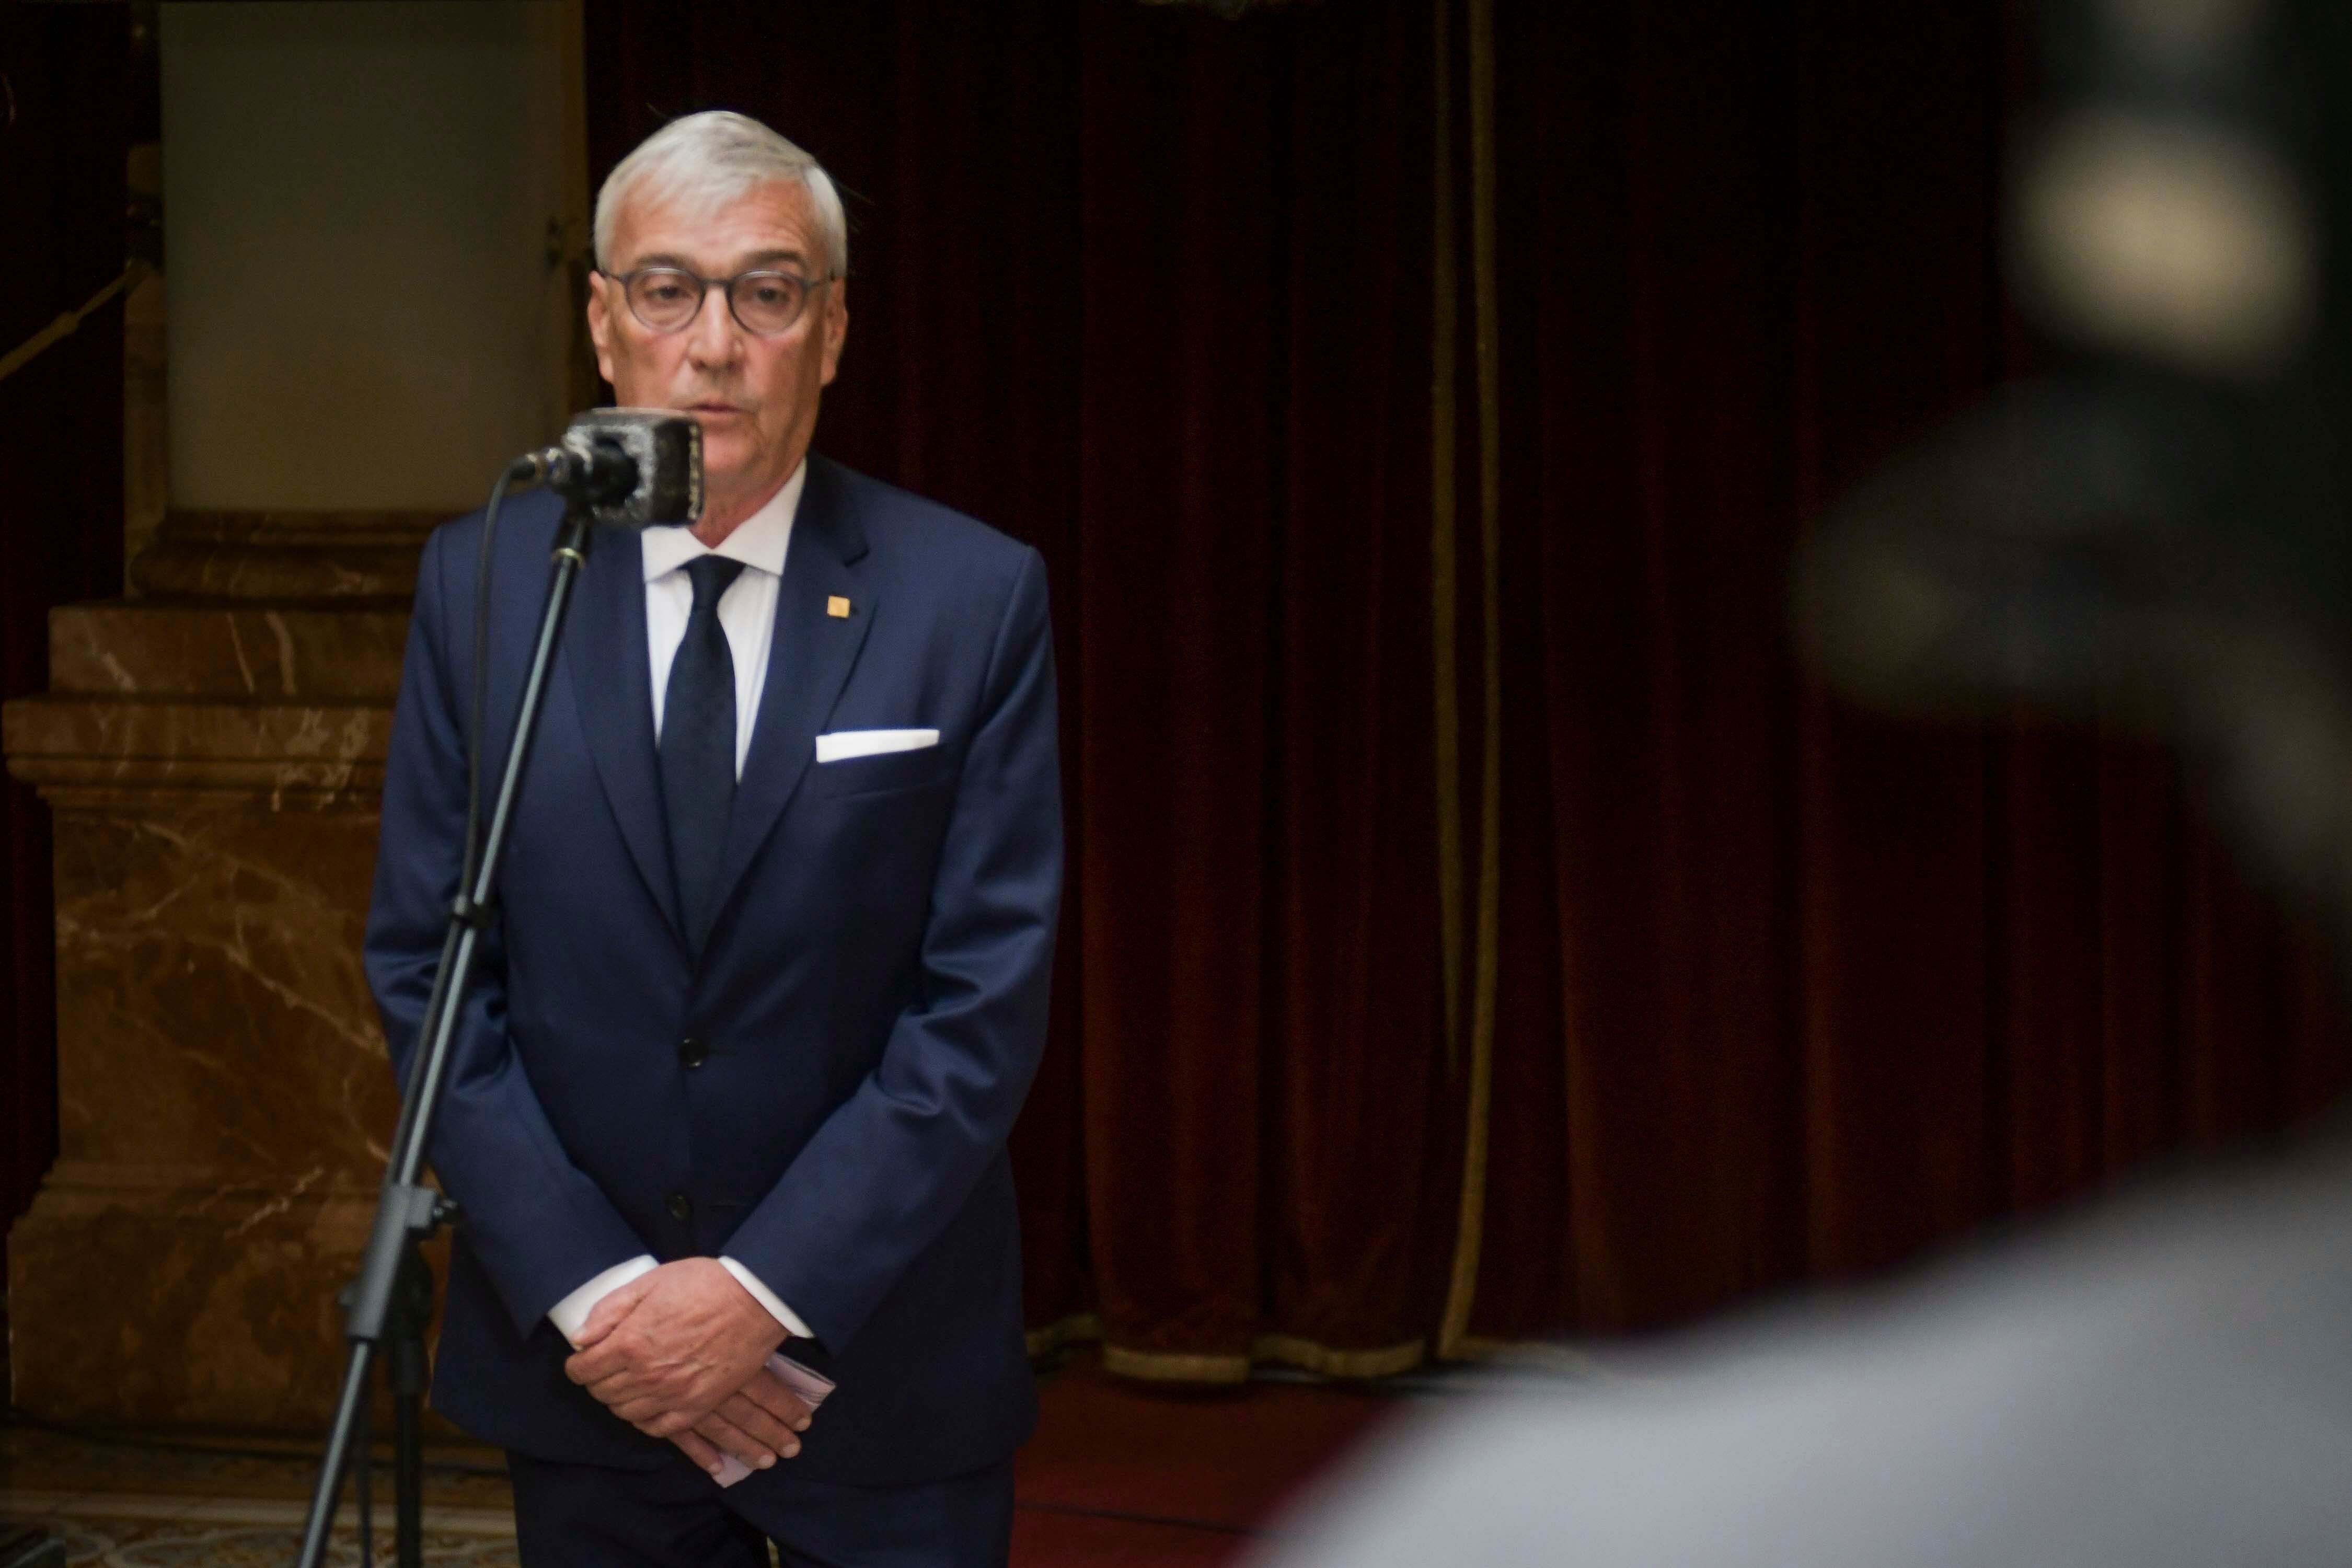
x,y
759,540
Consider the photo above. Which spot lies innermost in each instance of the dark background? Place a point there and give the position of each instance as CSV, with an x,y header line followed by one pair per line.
x,y
1717,983
63,142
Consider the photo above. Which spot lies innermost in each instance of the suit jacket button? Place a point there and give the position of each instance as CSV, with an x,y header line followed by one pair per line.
x,y
693,1052
681,1208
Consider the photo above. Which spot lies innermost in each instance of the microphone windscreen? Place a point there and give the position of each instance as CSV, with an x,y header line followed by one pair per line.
x,y
666,447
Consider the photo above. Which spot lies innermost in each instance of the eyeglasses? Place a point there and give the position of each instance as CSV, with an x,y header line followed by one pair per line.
x,y
667,298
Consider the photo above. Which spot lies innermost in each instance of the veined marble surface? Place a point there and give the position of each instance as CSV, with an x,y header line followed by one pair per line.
x,y
159,648
214,768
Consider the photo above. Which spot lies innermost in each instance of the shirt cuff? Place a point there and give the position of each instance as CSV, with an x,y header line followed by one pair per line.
x,y
570,1314
766,1298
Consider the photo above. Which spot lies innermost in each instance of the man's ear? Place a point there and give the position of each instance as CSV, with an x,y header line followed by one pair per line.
x,y
600,322
836,327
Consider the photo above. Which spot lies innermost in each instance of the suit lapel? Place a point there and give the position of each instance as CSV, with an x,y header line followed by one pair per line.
x,y
604,652
809,661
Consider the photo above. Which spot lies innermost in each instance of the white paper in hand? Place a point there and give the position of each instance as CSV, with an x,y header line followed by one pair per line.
x,y
810,1384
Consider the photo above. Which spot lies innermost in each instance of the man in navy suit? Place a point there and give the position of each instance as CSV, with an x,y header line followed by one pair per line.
x,y
769,978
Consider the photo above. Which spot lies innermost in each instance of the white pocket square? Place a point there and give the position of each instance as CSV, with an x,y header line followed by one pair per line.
x,y
844,744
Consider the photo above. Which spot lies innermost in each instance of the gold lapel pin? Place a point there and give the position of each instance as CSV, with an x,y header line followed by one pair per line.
x,y
837,608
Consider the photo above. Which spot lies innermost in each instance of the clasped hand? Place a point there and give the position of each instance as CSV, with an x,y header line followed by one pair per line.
x,y
680,1353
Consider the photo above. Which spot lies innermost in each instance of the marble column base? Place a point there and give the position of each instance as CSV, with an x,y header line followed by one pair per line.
x,y
213,766
173,1295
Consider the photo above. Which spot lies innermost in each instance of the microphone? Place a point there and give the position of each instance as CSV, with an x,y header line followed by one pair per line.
x,y
626,467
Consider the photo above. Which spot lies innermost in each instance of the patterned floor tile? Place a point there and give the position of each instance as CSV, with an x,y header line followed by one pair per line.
x,y
179,1543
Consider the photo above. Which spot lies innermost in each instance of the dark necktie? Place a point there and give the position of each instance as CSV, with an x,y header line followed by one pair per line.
x,y
697,747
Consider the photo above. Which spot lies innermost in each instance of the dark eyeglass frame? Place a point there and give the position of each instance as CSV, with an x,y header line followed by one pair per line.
x,y
703,287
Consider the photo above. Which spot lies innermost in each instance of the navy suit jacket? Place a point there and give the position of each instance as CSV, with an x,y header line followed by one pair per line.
x,y
872,997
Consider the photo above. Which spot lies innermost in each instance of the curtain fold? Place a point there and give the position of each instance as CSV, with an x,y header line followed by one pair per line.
x,y
1415,402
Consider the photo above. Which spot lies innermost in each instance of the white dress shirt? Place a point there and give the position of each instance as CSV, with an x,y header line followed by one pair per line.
x,y
747,612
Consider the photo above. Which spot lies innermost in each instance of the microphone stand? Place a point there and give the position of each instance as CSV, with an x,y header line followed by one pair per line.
x,y
390,1302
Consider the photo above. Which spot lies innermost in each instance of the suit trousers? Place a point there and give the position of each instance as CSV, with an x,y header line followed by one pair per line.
x,y
589,1516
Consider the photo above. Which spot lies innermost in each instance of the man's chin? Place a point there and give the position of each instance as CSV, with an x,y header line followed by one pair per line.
x,y
726,457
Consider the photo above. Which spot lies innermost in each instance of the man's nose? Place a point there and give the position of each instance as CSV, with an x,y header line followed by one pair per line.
x,y
713,337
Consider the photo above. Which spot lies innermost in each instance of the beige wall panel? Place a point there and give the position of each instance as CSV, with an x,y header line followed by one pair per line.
x,y
357,205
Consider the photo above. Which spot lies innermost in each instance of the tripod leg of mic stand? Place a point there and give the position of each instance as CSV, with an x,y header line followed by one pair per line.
x,y
321,1519
363,1483
409,1487
412,1315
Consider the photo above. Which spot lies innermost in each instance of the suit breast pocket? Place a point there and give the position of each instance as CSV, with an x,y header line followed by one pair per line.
x,y
889,772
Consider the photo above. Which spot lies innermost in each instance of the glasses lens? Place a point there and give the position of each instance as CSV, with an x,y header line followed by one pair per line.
x,y
663,300
768,302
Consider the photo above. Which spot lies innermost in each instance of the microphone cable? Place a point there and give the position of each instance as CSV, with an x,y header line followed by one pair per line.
x,y
521,468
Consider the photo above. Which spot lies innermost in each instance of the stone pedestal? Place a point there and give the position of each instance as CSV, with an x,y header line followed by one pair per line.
x,y
213,754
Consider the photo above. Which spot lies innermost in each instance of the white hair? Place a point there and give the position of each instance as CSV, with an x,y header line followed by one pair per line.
x,y
710,159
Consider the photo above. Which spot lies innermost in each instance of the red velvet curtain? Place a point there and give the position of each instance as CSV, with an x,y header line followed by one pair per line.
x,y
1785,990
1416,404
63,142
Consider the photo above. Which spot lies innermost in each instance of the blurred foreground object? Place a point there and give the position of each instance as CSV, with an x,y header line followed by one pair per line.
x,y
2171,1386
2154,534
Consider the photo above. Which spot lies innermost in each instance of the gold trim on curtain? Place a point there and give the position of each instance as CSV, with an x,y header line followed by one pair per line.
x,y
1077,1328
1453,1339
1535,1355
1443,572
1194,1366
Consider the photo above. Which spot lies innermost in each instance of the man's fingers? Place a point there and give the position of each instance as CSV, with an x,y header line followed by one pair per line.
x,y
695,1446
588,1367
773,1395
757,1423
669,1425
627,1390
719,1429
645,1410
621,1383
608,1313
